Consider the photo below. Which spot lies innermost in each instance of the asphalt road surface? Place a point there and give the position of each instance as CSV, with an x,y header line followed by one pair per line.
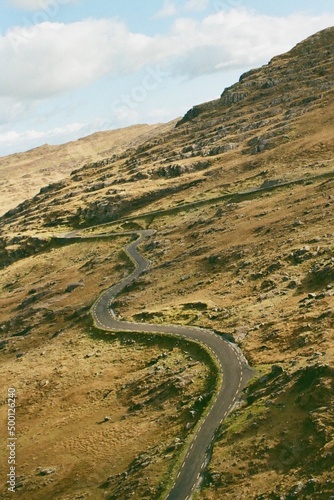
x,y
234,368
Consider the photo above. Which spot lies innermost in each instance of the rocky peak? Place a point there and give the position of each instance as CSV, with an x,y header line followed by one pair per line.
x,y
300,75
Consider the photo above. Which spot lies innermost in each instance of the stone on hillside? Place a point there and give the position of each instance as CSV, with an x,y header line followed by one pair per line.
x,y
275,266
272,183
232,96
47,471
276,370
301,254
20,355
95,187
72,287
257,276
217,150
3,343
268,285
89,355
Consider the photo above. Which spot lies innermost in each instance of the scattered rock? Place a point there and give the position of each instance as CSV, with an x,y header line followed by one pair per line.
x,y
257,276
31,300
271,183
275,266
276,370
302,254
72,287
217,150
3,343
44,383
47,471
89,355
95,187
20,355
268,285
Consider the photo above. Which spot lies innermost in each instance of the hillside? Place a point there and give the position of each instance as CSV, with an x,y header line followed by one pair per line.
x,y
22,175
240,194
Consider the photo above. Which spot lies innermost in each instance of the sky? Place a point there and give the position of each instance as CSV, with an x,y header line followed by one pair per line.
x,y
70,68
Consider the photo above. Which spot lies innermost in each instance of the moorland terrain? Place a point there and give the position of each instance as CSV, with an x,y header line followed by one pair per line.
x,y
22,175
240,193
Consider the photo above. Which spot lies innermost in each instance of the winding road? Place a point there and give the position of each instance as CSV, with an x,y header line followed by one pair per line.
x,y
234,368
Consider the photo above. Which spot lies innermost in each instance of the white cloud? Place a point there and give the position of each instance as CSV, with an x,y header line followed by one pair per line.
x,y
238,38
49,59
13,141
34,5
52,58
161,115
13,136
196,5
11,110
168,9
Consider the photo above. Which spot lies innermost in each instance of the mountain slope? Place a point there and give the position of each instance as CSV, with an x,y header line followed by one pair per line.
x,y
22,175
260,126
240,194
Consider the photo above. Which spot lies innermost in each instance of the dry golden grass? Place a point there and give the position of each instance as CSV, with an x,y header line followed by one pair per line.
x,y
68,378
22,175
256,265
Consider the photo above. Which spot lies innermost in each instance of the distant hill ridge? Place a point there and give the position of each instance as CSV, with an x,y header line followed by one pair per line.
x,y
274,114
22,175
240,197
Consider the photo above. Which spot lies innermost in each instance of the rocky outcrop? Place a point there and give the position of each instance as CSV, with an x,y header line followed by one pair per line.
x,y
293,80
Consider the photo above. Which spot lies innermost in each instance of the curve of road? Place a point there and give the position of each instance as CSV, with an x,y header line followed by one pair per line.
x,y
234,368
